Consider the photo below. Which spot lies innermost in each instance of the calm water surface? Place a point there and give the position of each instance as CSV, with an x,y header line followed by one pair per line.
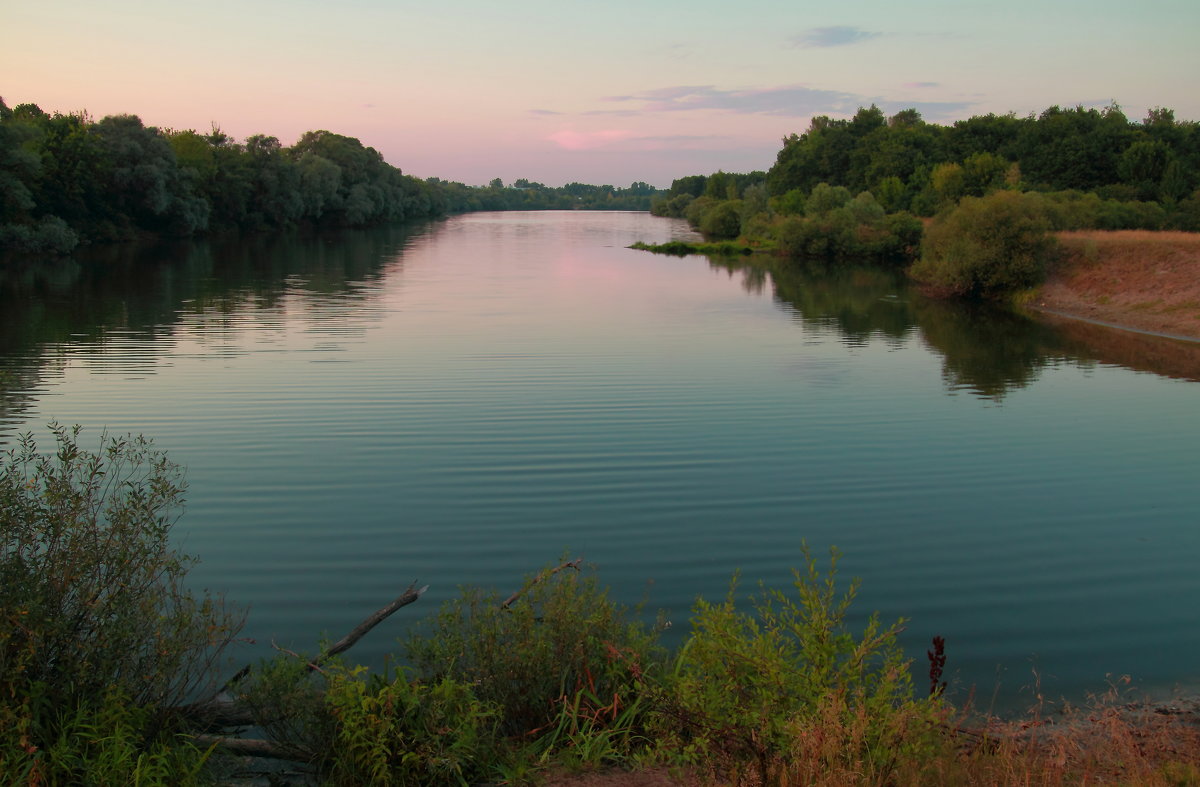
x,y
464,401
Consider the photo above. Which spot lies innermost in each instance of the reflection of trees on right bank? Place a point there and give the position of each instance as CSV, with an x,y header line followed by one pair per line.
x,y
987,351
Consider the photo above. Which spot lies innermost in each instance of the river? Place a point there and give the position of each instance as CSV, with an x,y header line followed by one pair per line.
x,y
468,400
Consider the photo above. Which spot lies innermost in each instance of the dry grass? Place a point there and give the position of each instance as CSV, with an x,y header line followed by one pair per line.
x,y
1111,742
1136,278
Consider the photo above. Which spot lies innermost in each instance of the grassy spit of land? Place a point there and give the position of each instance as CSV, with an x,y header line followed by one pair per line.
x,y
1147,281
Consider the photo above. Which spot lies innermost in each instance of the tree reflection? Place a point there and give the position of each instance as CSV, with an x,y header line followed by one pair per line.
x,y
146,293
985,350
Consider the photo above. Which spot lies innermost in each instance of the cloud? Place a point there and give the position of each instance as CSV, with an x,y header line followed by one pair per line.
x,y
787,100
839,35
922,85
782,101
550,112
569,139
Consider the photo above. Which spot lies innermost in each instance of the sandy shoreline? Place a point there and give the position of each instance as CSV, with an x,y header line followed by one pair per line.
x,y
1132,279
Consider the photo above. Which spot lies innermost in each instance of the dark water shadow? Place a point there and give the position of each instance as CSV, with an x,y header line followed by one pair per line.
x,y
52,309
986,350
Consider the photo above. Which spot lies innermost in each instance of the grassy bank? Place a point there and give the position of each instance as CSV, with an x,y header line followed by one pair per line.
x,y
1138,279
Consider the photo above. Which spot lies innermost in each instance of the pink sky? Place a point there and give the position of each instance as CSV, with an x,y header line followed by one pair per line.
x,y
598,93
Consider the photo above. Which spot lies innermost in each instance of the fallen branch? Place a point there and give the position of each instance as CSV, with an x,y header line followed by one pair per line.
x,y
542,576
221,711
345,643
252,747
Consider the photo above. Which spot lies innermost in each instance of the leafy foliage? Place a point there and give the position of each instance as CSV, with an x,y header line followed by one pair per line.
x,y
361,728
403,732
92,594
66,179
759,687
987,246
102,741
561,640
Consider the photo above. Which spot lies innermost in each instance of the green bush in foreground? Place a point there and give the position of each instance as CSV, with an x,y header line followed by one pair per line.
x,y
92,597
562,643
987,247
785,689
380,729
106,742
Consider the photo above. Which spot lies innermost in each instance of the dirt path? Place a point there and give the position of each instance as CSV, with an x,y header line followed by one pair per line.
x,y
1147,281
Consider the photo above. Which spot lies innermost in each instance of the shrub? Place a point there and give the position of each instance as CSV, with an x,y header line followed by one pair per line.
x,y
50,235
403,732
105,741
91,593
723,220
695,210
360,728
987,246
562,639
760,687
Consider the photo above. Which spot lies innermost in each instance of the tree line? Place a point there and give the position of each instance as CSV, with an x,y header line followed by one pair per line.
x,y
995,185
1103,170
66,179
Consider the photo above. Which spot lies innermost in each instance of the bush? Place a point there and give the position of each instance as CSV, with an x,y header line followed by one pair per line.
x,y
360,728
92,595
759,688
723,220
106,741
50,235
562,640
987,246
695,210
403,732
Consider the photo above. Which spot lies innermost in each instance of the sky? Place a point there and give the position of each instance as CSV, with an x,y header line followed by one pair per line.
x,y
611,92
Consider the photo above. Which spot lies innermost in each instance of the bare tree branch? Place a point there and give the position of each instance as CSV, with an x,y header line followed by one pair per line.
x,y
345,643
222,712
540,577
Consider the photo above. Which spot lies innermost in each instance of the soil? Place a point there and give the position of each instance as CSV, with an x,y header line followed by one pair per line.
x,y
657,777
1144,281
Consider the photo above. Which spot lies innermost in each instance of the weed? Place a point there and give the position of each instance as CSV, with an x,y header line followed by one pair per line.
x,y
562,641
786,685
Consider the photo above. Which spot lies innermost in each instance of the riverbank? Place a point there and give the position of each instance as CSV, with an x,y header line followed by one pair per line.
x,y
1110,741
1136,279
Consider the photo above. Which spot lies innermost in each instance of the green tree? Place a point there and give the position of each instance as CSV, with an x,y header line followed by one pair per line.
x,y
987,246
723,220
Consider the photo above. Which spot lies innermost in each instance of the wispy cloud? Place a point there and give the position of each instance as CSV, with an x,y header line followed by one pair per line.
x,y
548,112
788,100
922,85
838,35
